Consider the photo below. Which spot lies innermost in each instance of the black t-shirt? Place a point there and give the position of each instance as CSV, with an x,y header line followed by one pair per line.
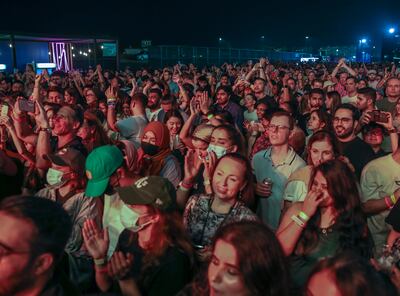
x,y
76,144
358,152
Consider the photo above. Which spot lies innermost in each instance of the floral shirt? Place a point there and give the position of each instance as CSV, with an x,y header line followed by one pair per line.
x,y
201,222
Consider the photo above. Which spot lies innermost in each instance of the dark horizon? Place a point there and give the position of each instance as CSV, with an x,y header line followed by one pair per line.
x,y
201,24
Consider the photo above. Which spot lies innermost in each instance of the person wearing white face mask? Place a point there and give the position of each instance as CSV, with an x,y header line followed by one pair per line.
x,y
225,139
150,215
66,181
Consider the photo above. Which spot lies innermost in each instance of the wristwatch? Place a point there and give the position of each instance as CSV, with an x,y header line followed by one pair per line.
x,y
45,129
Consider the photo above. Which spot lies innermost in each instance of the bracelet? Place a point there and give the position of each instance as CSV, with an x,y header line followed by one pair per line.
x,y
303,216
209,116
393,198
100,262
298,221
387,202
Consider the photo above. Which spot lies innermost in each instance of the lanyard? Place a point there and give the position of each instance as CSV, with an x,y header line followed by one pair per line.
x,y
208,215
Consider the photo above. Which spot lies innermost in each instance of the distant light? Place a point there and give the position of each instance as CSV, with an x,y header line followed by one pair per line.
x,y
373,46
10,45
49,53
363,40
45,65
102,46
307,37
3,67
354,57
220,39
337,50
89,50
73,55
391,30
72,48
80,52
262,37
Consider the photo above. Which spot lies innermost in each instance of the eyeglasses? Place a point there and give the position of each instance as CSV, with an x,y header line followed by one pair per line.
x,y
342,120
273,127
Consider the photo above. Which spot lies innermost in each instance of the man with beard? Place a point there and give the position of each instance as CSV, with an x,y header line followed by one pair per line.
x,y
33,234
153,104
345,121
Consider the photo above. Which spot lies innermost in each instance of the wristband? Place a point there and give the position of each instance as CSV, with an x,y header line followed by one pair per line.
x,y
99,262
101,269
388,202
209,116
298,221
393,199
185,187
303,216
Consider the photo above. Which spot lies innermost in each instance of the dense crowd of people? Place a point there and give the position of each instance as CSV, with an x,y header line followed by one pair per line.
x,y
241,179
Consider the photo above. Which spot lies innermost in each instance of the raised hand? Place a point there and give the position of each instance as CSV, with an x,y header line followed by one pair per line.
x,y
204,102
119,266
312,201
6,121
40,115
194,108
192,165
96,242
209,165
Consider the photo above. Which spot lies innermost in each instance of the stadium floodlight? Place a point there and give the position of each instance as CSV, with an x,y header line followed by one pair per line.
x,y
391,30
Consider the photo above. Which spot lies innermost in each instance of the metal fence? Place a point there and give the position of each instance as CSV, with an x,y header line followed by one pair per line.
x,y
160,56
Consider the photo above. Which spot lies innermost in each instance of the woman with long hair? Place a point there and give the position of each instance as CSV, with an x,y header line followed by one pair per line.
x,y
321,147
246,260
157,157
230,192
92,132
152,245
329,221
332,101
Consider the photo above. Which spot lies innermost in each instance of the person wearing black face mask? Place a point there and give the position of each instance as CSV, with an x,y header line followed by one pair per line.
x,y
157,156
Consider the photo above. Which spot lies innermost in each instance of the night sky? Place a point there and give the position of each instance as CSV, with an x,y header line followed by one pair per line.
x,y
239,23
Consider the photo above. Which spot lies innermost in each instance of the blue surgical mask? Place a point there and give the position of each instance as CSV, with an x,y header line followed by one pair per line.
x,y
54,177
218,150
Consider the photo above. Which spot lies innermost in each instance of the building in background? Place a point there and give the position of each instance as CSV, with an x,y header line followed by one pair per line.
x,y
64,53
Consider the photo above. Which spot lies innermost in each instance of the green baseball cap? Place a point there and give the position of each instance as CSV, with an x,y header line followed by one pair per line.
x,y
152,190
101,163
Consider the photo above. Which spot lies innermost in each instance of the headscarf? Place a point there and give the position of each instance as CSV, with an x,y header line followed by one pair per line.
x,y
153,165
